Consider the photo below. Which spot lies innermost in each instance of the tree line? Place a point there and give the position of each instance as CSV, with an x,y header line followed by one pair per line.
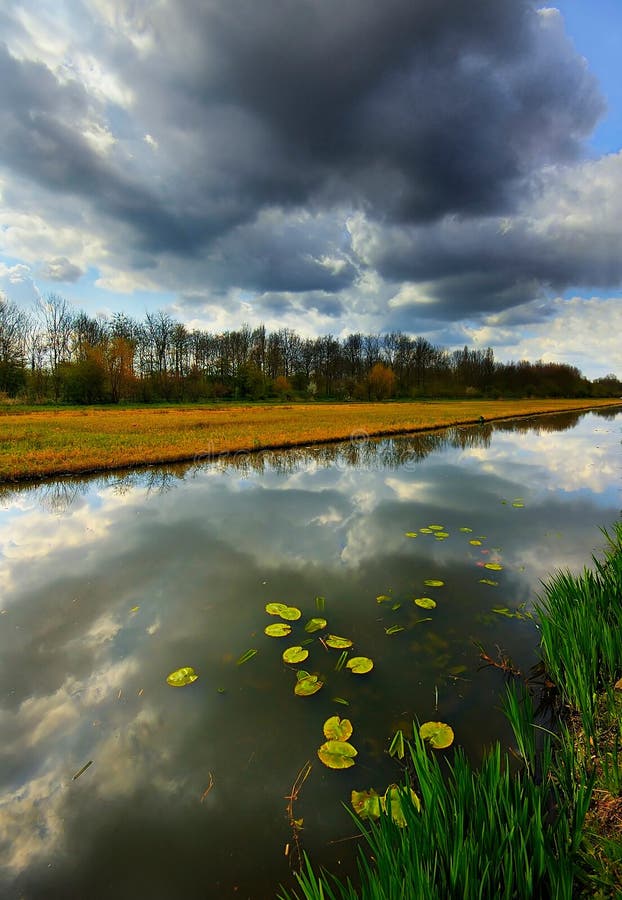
x,y
58,354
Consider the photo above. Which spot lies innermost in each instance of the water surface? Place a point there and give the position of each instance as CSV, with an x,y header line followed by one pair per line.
x,y
108,584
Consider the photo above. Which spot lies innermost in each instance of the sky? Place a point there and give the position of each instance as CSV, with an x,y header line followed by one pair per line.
x,y
448,169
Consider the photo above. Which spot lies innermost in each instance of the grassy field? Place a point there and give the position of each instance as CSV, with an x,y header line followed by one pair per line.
x,y
39,442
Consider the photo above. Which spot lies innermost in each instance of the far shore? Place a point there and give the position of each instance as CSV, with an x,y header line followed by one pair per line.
x,y
39,443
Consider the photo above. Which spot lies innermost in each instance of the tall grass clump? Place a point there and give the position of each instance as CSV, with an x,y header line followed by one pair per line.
x,y
486,833
581,635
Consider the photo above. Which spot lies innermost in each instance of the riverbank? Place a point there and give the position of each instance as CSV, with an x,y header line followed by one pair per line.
x,y
551,829
38,442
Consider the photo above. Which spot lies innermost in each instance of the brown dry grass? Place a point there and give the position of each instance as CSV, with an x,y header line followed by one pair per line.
x,y
37,443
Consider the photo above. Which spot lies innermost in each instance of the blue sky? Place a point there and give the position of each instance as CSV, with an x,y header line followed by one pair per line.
x,y
596,30
451,170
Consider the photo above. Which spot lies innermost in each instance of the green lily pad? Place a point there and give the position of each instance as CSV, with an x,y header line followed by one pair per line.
x,y
394,629
181,677
465,530
518,503
489,581
279,629
494,567
291,613
336,729
295,654
425,602
426,531
341,701
337,754
475,543
441,535
433,582
396,606
307,684
320,603
315,625
411,534
275,609
438,734
360,665
435,527
383,598
337,643
366,804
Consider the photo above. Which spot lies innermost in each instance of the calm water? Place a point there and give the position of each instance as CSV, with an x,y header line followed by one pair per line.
x,y
109,584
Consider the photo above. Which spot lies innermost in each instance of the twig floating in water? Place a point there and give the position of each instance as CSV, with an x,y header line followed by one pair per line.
x,y
82,770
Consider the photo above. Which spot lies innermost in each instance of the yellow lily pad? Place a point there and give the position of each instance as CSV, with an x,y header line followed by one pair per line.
x,y
181,677
280,629
295,655
425,602
438,734
337,754
360,665
336,729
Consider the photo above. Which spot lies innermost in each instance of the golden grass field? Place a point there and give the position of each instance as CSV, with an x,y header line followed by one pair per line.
x,y
38,443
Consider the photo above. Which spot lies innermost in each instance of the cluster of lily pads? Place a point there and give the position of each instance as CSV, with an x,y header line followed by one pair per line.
x,y
308,683
440,534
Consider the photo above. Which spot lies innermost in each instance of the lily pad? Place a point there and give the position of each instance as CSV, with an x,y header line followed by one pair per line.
x,y
181,677
366,804
275,609
494,567
435,527
307,684
336,729
394,629
475,543
425,602
433,582
279,629
489,581
341,701
466,530
383,598
315,625
518,503
337,643
438,734
295,655
360,665
337,754
425,531
411,534
441,535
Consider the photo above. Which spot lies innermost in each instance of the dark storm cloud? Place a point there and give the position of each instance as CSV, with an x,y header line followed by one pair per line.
x,y
405,110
